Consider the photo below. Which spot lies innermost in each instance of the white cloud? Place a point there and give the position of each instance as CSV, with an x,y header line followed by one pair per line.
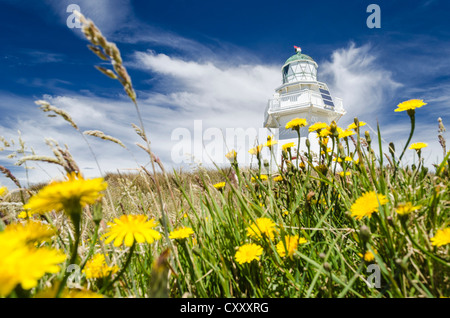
x,y
354,75
109,15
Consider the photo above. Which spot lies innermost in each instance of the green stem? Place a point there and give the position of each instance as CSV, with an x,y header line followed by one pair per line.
x,y
122,270
91,248
436,258
413,125
75,215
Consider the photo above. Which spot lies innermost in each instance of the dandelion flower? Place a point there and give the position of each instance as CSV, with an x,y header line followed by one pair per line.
x,y
30,232
220,185
278,178
248,252
24,215
317,126
347,158
3,190
353,125
368,256
418,145
296,123
130,228
288,146
407,208
256,151
441,238
262,227
263,177
67,293
289,245
97,267
325,132
181,233
410,105
367,204
65,194
345,133
231,155
270,143
24,264
347,173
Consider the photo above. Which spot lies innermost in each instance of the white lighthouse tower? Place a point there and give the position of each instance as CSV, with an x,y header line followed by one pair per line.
x,y
300,96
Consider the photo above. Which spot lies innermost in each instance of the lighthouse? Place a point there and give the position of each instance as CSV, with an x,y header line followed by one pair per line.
x,y
300,95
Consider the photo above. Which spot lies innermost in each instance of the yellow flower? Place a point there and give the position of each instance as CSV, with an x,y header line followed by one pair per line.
x,y
67,293
317,126
219,185
325,132
410,104
345,133
262,227
287,146
348,159
353,125
263,177
418,145
97,267
270,142
347,173
324,142
405,209
30,232
24,215
231,155
256,151
289,245
441,238
65,194
3,190
248,252
367,204
368,256
130,228
181,233
24,264
296,123
278,178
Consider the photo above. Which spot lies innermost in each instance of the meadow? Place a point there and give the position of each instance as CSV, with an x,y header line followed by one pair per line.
x,y
343,223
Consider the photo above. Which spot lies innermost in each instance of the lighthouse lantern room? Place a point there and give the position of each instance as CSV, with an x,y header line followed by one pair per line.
x,y
301,96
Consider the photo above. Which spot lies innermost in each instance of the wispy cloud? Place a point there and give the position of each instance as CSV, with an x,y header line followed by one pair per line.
x,y
109,15
354,74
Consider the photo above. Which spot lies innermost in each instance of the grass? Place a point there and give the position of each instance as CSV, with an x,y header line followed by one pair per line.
x,y
383,254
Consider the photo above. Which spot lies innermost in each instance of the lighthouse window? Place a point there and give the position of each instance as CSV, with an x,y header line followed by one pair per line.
x,y
327,102
324,91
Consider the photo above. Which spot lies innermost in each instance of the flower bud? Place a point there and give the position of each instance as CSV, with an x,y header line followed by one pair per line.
x,y
368,138
333,127
341,151
97,214
364,233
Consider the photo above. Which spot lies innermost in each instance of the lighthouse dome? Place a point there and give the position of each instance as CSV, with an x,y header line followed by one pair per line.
x,y
298,57
299,67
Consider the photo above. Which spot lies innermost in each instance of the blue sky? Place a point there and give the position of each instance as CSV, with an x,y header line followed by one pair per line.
x,y
213,61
